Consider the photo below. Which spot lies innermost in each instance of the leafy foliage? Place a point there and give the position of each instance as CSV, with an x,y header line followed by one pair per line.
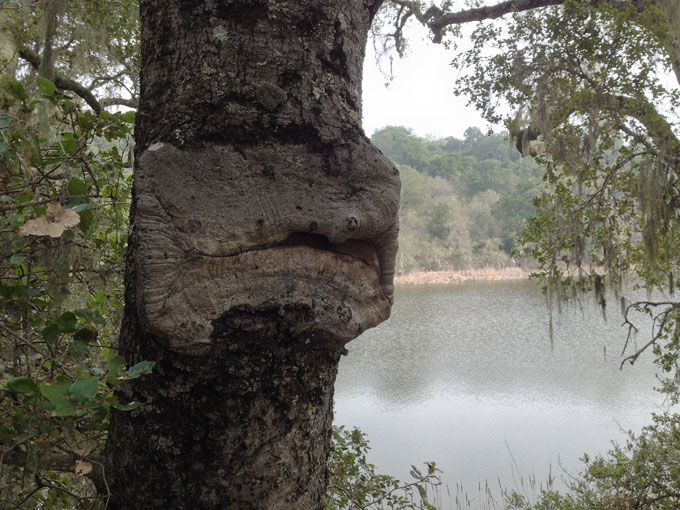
x,y
593,103
355,485
61,294
65,181
643,473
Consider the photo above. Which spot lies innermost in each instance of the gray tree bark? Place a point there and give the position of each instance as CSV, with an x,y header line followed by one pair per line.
x,y
263,239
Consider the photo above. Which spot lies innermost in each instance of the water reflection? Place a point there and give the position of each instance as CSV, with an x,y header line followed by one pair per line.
x,y
464,374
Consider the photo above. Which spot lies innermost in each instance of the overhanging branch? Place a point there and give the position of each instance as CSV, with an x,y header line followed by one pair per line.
x,y
62,82
65,83
437,20
119,101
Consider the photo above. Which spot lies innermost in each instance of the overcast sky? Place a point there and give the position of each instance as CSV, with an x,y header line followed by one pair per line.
x,y
420,96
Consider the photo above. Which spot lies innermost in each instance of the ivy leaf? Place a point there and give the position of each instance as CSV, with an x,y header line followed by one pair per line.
x,y
83,390
128,117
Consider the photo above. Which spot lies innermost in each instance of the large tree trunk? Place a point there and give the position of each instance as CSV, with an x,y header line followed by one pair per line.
x,y
263,240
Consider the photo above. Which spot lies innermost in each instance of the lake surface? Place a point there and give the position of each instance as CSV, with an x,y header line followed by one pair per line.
x,y
467,376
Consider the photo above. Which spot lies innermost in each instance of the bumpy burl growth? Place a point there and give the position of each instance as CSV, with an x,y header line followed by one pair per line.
x,y
268,225
265,190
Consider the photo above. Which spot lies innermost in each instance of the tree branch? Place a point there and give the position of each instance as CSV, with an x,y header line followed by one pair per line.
x,y
437,20
63,82
59,462
658,324
119,101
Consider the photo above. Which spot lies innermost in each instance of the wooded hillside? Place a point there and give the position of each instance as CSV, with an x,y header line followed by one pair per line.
x,y
463,202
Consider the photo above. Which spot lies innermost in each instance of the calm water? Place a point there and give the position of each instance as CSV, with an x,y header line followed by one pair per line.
x,y
466,376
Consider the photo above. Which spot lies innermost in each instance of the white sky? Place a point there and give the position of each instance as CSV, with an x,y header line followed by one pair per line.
x,y
420,96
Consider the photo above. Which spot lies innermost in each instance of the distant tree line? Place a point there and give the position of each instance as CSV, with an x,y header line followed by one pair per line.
x,y
464,202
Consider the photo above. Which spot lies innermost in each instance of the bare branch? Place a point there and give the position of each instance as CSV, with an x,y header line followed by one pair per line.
x,y
658,326
57,462
119,101
437,20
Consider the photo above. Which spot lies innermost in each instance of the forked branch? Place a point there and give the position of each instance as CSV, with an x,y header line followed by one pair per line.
x,y
437,20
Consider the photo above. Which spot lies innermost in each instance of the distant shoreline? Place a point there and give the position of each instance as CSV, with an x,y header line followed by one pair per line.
x,y
466,275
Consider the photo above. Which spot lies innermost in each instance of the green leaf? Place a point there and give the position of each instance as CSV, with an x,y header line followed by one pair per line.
x,y
4,121
51,332
76,187
25,386
85,335
74,202
16,220
64,411
122,407
68,143
90,317
56,394
77,349
25,196
16,90
80,208
116,366
100,297
66,323
6,434
16,259
86,219
128,117
83,390
140,368
64,381
45,86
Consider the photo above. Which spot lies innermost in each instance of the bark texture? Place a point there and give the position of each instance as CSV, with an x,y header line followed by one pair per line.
x,y
263,239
